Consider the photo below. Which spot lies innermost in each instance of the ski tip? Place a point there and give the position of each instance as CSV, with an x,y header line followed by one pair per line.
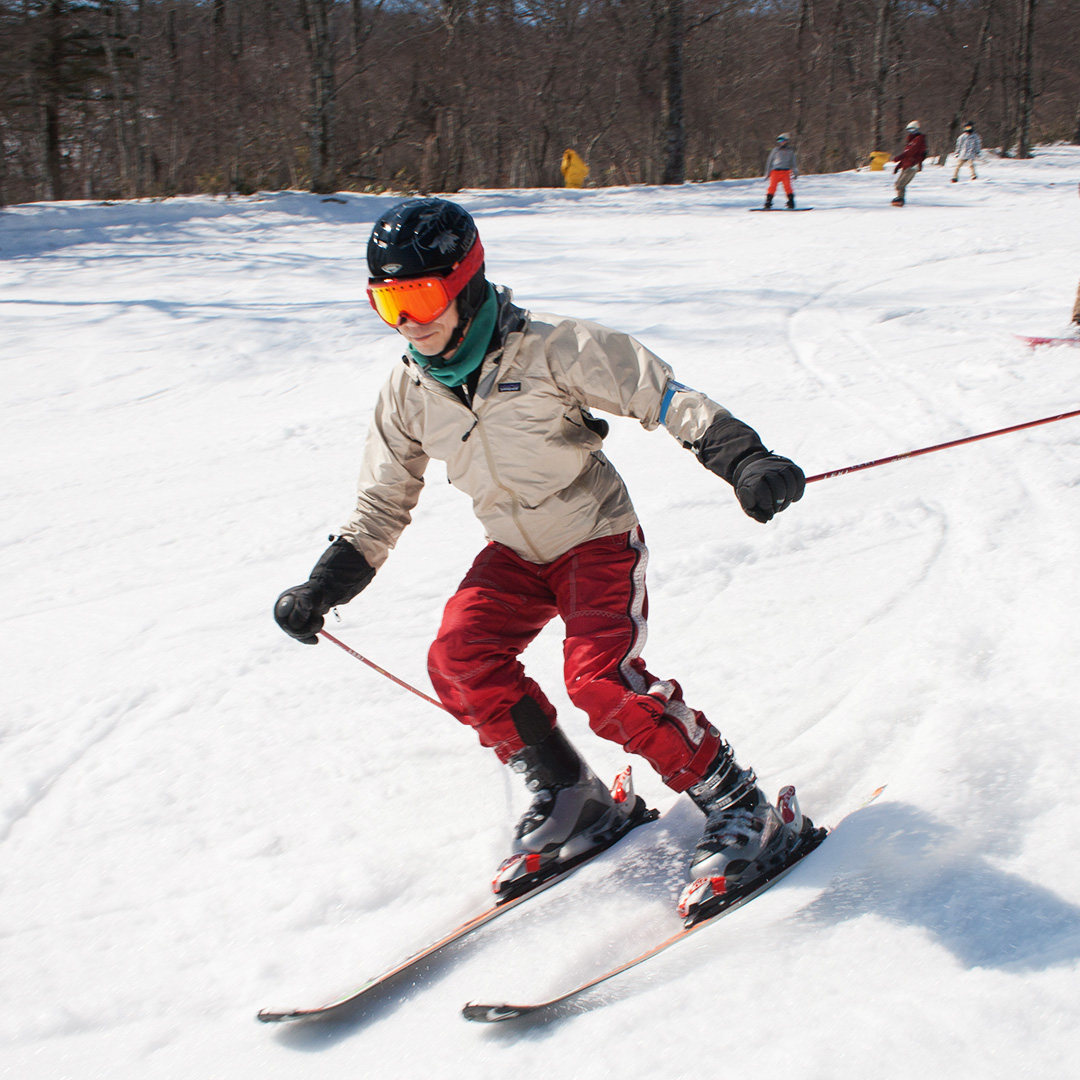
x,y
268,1016
872,797
490,1014
1035,342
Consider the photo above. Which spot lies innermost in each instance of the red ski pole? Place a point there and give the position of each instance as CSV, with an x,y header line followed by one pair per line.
x,y
381,671
940,446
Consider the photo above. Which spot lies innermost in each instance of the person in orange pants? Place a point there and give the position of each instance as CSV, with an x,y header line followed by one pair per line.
x,y
781,168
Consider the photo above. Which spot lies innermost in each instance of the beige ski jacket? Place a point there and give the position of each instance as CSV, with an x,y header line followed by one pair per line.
x,y
524,453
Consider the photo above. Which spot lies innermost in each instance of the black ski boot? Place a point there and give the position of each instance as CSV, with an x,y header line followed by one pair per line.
x,y
572,816
791,201
768,203
746,841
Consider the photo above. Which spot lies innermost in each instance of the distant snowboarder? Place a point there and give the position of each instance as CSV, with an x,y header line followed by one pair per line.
x,y
909,160
968,149
503,397
781,168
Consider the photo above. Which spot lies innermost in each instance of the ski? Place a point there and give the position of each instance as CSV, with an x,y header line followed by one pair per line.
x,y
500,907
494,1012
1036,341
778,209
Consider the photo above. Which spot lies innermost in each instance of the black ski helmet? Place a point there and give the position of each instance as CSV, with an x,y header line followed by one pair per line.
x,y
420,236
428,236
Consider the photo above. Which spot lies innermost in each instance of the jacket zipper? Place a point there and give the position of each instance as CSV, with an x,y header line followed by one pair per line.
x,y
515,505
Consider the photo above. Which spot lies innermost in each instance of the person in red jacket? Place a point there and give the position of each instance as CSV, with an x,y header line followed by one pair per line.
x,y
909,160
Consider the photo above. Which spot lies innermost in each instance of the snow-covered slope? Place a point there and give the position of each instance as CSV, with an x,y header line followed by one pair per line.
x,y
199,817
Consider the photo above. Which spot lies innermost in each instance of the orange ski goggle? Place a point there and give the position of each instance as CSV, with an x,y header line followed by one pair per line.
x,y
422,299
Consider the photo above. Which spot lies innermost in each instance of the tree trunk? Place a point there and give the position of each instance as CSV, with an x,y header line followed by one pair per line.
x,y
113,34
973,82
803,31
321,54
671,101
835,148
880,73
1026,78
53,80
138,129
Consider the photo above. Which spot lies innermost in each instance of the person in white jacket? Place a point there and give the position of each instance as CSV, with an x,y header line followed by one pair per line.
x,y
968,149
504,398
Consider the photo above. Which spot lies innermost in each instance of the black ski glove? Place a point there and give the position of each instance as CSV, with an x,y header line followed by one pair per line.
x,y
767,483
336,578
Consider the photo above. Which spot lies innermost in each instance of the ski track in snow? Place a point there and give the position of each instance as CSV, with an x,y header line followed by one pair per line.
x,y
199,818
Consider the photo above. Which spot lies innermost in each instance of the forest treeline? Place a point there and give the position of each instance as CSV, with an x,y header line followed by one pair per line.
x,y
126,98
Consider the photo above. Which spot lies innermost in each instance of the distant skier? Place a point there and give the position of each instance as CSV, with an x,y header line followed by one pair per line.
x,y
1076,306
503,397
909,160
968,149
574,170
781,168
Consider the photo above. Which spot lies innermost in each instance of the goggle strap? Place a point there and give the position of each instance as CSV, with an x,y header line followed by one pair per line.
x,y
459,277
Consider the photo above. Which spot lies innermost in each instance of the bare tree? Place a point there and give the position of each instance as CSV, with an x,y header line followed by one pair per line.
x,y
977,58
1026,78
317,23
805,49
671,97
52,78
880,73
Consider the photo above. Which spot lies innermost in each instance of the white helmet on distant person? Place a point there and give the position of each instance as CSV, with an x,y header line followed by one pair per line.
x,y
914,126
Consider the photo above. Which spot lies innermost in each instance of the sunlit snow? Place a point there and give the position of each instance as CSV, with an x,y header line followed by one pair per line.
x,y
200,817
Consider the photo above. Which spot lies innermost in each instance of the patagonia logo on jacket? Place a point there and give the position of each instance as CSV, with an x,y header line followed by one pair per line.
x,y
509,387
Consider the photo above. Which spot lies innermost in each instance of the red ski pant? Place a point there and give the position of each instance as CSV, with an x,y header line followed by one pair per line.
x,y
777,177
598,589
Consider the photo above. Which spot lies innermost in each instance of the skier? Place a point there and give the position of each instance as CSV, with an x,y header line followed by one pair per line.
x,y
574,170
1076,305
503,397
968,148
781,168
909,160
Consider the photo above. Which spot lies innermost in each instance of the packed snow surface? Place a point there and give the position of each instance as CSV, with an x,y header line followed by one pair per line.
x,y
200,817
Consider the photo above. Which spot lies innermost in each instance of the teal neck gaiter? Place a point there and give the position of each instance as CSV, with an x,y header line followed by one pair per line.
x,y
470,353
